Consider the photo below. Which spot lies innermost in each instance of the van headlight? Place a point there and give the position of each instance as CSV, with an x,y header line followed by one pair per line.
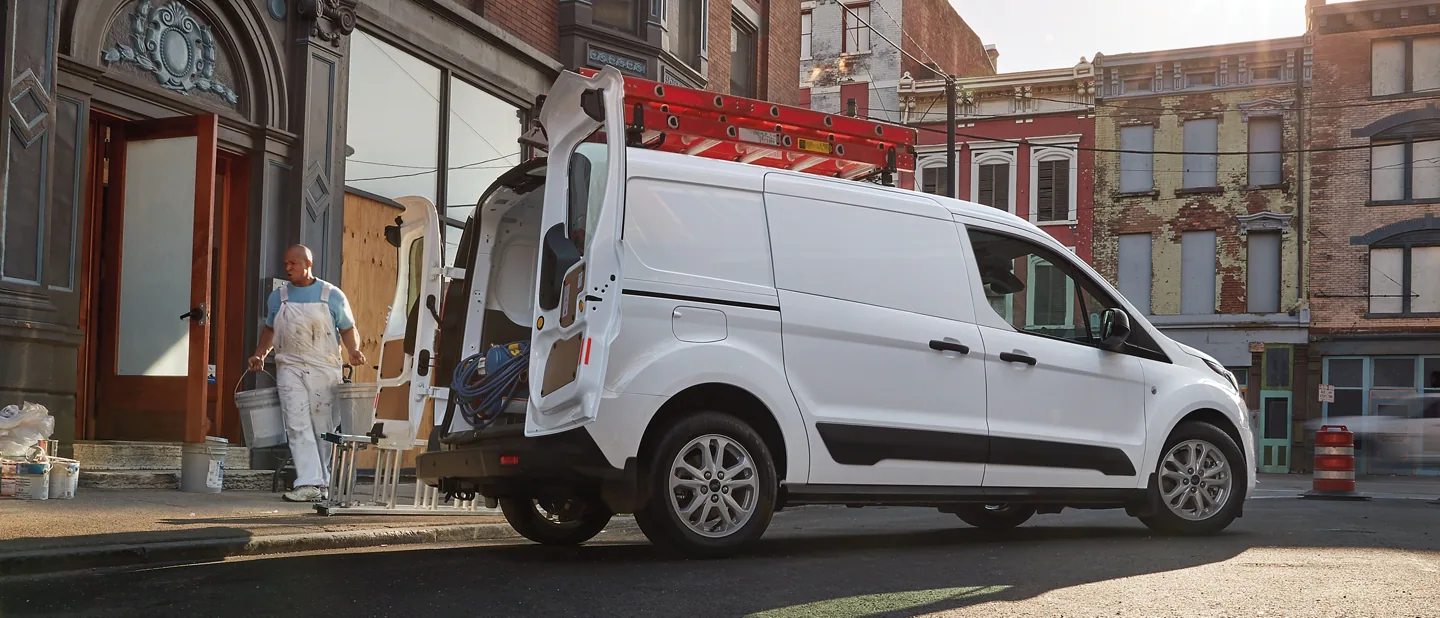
x,y
1224,373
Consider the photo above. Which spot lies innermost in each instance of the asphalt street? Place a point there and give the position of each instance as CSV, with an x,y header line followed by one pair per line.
x,y
1286,557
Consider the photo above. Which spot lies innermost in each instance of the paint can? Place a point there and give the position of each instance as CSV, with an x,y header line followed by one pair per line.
x,y
64,478
25,480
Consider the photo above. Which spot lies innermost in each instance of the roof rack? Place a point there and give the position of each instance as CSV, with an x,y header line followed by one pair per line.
x,y
719,126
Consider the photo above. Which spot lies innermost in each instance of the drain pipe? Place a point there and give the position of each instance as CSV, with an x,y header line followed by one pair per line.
x,y
1301,189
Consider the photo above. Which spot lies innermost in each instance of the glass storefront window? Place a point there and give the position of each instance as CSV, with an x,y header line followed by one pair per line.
x,y
483,143
393,122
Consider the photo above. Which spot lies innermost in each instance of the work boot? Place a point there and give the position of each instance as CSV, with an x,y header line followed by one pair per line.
x,y
305,494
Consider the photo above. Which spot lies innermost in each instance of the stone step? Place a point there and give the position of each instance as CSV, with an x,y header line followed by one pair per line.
x,y
120,455
235,480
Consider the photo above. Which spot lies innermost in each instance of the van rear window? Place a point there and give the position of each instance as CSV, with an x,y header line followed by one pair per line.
x,y
588,167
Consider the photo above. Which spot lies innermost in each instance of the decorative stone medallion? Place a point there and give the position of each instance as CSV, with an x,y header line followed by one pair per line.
x,y
171,44
277,9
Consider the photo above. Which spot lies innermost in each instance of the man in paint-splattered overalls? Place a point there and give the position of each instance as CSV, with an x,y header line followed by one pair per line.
x,y
307,320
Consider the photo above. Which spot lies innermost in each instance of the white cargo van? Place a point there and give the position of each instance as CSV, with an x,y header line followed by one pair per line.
x,y
710,342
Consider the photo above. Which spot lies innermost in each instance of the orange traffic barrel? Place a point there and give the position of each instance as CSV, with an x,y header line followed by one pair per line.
x,y
1334,477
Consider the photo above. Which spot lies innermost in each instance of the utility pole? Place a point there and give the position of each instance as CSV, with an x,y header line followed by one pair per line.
x,y
951,177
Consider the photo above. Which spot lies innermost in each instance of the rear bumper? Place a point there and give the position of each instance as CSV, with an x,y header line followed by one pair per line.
x,y
514,465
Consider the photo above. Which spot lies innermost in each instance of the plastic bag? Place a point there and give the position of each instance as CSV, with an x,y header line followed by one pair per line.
x,y
23,428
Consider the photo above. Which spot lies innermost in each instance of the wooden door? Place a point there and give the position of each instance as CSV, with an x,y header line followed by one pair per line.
x,y
154,306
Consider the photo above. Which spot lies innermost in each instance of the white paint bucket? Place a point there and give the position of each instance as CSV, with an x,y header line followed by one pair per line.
x,y
202,466
64,478
260,416
25,480
354,407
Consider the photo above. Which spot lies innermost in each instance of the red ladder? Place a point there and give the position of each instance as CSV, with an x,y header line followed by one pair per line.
x,y
719,126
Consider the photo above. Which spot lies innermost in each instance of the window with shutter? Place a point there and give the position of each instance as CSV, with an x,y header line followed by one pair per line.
x,y
1002,186
1052,191
986,194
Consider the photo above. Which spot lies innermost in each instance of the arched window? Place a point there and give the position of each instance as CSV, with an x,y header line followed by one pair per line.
x,y
1404,157
992,177
931,177
1053,176
1404,258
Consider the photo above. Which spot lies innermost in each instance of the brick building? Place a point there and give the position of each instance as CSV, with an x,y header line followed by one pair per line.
x,y
1047,179
844,55
1199,220
1374,231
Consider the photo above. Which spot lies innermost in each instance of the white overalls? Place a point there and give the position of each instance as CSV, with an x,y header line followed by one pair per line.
x,y
307,361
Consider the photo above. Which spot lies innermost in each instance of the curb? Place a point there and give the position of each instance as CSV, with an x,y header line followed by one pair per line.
x,y
202,550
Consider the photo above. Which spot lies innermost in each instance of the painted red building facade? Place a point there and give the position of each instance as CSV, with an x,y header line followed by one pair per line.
x,y
1021,146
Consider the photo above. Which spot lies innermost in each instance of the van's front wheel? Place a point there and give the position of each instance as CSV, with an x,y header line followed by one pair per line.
x,y
712,487
556,522
1199,483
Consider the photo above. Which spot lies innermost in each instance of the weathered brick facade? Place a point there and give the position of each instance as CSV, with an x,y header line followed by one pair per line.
x,y
934,32
534,22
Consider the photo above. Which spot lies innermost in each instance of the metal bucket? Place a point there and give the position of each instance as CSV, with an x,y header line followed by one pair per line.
x,y
202,466
354,406
260,415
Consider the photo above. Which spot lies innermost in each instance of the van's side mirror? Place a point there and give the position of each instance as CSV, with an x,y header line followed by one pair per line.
x,y
1114,329
557,255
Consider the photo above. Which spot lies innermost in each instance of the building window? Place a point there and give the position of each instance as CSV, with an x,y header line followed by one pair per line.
x,y
1200,80
1135,256
1262,272
614,14
1405,169
685,23
1137,163
992,179
1265,74
1145,84
1201,137
935,181
856,22
742,57
393,125
1052,302
1197,273
1402,274
1265,145
1053,193
806,23
1401,66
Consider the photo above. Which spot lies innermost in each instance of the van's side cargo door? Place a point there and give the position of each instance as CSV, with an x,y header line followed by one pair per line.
x,y
407,346
578,278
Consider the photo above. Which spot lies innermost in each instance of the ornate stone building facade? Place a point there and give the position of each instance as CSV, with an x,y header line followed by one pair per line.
x,y
161,154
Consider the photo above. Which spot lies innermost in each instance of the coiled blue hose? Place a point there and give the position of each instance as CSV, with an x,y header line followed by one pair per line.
x,y
481,395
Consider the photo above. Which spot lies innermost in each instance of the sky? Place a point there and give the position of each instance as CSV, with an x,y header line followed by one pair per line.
x,y
1050,34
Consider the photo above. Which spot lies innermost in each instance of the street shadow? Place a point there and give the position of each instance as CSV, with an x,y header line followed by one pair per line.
x,y
895,563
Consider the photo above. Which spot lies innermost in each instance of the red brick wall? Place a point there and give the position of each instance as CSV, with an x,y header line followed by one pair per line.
x,y
936,28
1078,236
782,56
1340,185
720,46
534,21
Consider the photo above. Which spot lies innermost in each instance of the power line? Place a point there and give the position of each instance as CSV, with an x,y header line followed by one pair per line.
x,y
433,170
936,70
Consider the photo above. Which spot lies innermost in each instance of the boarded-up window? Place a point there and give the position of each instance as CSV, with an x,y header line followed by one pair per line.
x,y
1197,272
1200,157
1265,151
1387,276
1387,67
935,181
1425,279
1425,168
1262,273
993,185
1135,270
1137,163
1052,190
1387,172
1426,64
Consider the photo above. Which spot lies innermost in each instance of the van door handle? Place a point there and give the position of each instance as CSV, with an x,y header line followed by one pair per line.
x,y
949,346
1011,357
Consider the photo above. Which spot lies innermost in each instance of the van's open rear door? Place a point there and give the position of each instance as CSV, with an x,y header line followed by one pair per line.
x,y
577,313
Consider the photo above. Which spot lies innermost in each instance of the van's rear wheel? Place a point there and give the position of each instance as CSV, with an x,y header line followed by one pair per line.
x,y
556,522
995,516
1199,483
712,487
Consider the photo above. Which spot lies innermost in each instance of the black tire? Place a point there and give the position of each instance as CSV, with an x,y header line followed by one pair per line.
x,y
574,521
659,519
995,516
1162,519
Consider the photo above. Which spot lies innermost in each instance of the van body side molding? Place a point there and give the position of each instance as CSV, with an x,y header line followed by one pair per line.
x,y
699,299
862,445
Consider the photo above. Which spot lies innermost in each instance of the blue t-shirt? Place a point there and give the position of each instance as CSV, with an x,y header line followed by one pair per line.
x,y
339,306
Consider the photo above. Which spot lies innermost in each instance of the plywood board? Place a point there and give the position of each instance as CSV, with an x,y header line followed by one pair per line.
x,y
368,269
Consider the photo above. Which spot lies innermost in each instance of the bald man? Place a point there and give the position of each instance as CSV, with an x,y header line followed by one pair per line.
x,y
307,321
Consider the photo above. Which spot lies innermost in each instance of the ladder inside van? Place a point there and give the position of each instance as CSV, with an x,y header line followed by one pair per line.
x,y
719,126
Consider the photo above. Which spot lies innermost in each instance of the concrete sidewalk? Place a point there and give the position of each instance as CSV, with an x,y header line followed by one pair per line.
x,y
1376,487
125,527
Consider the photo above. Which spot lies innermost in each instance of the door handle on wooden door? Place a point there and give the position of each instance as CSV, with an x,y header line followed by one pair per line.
x,y
1013,357
197,314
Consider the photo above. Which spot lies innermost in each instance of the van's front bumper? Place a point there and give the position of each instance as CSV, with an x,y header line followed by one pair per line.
x,y
514,465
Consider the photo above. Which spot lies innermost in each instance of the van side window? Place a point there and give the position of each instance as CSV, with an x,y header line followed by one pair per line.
x,y
1037,291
